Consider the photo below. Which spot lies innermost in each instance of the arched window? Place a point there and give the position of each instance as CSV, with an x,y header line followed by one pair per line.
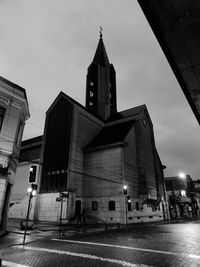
x,y
111,205
94,205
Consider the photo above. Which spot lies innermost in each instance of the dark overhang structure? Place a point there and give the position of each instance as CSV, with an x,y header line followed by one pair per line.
x,y
176,25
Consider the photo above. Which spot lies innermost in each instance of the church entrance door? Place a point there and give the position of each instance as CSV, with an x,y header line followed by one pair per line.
x,y
78,208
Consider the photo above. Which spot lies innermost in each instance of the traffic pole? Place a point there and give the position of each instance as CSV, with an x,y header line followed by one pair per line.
x,y
61,208
27,217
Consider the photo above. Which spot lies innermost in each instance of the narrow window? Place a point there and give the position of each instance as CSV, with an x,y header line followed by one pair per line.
x,y
144,122
129,206
137,205
2,113
19,133
94,205
111,205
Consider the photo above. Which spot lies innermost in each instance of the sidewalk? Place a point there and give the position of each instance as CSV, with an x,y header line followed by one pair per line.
x,y
50,229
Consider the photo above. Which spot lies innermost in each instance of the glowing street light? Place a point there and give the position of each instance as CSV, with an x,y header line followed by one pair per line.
x,y
182,175
125,187
29,190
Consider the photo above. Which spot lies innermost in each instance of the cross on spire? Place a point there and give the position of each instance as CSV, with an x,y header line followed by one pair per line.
x,y
101,29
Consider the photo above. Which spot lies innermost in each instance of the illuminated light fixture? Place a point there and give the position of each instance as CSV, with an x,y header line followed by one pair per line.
x,y
31,169
34,193
182,175
125,189
29,190
183,193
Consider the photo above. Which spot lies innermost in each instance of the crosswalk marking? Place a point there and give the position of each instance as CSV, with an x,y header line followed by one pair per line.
x,y
12,264
83,255
131,248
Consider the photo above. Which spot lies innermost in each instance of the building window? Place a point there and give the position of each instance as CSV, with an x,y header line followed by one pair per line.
x,y
2,113
129,206
111,205
94,205
19,134
144,122
137,206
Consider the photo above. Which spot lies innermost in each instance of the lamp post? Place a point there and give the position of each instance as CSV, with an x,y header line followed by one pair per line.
x,y
32,192
125,187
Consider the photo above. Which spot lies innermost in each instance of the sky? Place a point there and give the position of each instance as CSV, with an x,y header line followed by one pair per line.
x,y
46,47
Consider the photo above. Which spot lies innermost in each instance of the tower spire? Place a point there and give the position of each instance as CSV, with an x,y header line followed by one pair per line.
x,y
100,56
101,84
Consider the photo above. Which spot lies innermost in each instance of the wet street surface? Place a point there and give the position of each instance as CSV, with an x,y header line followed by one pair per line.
x,y
160,244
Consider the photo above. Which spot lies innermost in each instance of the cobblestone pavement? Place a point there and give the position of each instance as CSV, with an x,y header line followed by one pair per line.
x,y
176,244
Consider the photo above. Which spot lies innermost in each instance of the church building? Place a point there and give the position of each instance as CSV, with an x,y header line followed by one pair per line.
x,y
92,152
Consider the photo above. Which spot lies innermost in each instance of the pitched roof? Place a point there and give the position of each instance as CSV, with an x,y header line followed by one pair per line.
x,y
32,141
127,113
111,134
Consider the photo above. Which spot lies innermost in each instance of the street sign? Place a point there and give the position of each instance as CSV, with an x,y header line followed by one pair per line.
x,y
66,195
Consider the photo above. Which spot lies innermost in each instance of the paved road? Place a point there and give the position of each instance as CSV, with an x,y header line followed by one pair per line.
x,y
176,244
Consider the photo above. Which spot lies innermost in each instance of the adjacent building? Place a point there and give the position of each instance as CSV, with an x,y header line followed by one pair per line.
x,y
197,192
182,197
26,174
14,112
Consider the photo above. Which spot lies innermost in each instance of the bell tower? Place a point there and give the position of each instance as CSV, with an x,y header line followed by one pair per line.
x,y
101,84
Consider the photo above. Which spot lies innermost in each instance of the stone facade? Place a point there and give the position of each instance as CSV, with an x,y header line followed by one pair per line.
x,y
14,112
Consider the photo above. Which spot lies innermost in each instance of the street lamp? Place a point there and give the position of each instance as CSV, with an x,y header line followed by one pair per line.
x,y
125,187
32,193
182,175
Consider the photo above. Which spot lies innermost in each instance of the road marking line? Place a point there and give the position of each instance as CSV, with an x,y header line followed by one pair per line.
x,y
13,264
82,255
131,248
